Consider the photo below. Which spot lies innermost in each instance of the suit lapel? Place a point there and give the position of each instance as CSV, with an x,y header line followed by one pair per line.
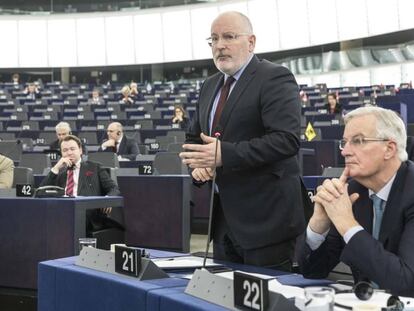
x,y
364,213
122,146
393,209
81,179
237,91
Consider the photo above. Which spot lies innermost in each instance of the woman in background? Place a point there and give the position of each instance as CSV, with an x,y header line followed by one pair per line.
x,y
125,97
333,106
180,117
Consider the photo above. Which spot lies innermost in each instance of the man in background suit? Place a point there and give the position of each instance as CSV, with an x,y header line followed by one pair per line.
x,y
32,92
63,129
258,209
6,172
81,178
369,223
96,99
118,143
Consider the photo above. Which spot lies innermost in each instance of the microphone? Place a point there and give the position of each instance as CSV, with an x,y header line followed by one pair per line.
x,y
210,217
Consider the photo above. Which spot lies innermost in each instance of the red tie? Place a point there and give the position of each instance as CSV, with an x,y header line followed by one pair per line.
x,y
70,183
221,102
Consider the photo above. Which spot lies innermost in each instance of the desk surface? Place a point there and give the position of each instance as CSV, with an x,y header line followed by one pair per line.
x,y
64,286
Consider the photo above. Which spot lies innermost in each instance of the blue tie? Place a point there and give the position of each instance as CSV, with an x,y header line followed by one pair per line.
x,y
378,204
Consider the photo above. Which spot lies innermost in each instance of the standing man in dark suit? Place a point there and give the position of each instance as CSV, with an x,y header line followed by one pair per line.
x,y
118,143
369,223
258,209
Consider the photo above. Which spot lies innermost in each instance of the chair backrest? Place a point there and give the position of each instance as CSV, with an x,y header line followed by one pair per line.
x,y
145,124
168,163
38,162
7,136
107,159
11,149
27,143
112,173
31,125
332,172
164,141
179,135
22,175
175,147
136,135
143,149
48,137
89,138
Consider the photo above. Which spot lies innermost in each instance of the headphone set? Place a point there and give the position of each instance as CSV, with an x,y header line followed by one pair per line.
x,y
364,291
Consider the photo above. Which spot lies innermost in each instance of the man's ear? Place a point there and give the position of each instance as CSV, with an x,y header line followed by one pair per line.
x,y
391,149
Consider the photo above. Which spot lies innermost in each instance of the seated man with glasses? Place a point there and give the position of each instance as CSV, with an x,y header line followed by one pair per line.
x,y
367,222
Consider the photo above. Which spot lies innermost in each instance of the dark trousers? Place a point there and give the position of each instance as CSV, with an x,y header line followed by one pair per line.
x,y
226,247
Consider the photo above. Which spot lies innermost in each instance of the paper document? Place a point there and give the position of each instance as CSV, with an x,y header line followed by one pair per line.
x,y
183,262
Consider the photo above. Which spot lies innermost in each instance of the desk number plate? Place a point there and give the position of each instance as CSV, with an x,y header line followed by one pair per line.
x,y
24,190
250,292
127,260
145,169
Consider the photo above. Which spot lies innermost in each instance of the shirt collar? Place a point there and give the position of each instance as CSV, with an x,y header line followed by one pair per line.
x,y
120,138
384,191
77,164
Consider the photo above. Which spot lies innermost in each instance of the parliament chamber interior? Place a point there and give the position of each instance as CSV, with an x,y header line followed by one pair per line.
x,y
63,66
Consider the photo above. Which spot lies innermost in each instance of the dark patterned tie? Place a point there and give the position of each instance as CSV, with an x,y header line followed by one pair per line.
x,y
378,205
70,183
221,102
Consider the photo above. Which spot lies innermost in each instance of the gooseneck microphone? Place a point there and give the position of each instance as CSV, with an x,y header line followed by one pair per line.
x,y
210,217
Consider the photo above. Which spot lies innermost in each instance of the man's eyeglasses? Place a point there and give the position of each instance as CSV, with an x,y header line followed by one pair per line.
x,y
358,141
228,38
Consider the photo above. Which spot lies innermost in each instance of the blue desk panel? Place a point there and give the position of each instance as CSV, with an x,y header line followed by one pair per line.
x,y
33,230
64,286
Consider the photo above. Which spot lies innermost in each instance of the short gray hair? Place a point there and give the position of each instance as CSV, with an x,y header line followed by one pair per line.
x,y
63,125
389,125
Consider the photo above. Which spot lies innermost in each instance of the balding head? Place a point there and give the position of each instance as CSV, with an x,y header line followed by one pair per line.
x,y
236,20
114,130
232,41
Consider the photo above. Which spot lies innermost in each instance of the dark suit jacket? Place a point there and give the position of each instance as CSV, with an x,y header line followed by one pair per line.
x,y
128,148
338,108
259,183
93,180
389,262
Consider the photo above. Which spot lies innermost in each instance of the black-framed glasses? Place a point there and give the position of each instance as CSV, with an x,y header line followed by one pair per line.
x,y
228,38
358,141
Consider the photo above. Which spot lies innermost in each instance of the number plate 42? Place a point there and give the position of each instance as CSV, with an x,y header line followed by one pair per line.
x,y
127,260
250,292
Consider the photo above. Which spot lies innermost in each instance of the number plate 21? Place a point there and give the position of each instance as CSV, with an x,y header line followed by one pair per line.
x,y
127,260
